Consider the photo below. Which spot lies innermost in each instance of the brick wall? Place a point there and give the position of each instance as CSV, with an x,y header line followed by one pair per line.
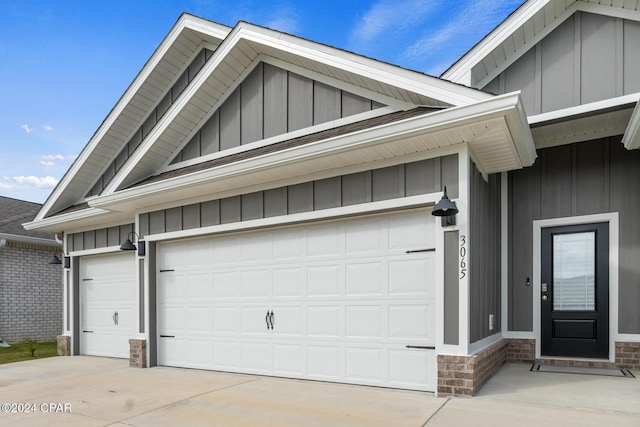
x,y
521,350
30,293
137,353
628,355
464,375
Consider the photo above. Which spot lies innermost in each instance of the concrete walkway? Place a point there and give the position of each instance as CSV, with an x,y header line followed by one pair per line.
x,y
91,391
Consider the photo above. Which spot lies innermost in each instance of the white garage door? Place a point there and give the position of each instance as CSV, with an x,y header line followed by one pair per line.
x,y
108,297
333,301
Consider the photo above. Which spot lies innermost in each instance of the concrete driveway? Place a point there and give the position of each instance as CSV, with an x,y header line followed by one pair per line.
x,y
93,391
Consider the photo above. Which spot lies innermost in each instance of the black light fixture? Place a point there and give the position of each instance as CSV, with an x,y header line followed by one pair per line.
x,y
446,209
54,260
128,245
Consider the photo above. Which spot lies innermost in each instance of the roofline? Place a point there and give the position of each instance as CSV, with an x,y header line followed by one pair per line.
x,y
27,239
185,20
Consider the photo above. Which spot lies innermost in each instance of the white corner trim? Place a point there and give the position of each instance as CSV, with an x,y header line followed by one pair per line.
x,y
504,251
612,219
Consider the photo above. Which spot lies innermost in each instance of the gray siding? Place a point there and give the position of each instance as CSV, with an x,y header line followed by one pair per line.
x,y
423,177
587,58
102,238
580,179
484,255
269,102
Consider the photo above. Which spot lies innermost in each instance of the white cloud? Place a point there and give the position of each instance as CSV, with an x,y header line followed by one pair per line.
x,y
48,128
26,128
390,16
284,18
34,181
47,164
52,157
49,160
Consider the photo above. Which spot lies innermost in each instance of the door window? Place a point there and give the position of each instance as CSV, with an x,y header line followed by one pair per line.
x,y
574,266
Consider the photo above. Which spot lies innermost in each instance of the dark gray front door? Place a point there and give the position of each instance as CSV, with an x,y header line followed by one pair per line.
x,y
575,290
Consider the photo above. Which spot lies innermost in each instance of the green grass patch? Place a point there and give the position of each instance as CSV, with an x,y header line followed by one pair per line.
x,y
29,350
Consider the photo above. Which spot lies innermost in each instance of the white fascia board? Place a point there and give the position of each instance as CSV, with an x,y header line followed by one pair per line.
x,y
592,107
80,218
500,106
445,91
27,239
462,68
185,21
631,138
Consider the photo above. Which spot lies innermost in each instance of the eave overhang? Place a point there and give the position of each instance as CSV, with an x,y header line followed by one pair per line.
x,y
601,119
28,239
496,131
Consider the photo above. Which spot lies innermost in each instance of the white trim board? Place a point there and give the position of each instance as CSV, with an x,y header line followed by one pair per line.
x,y
612,219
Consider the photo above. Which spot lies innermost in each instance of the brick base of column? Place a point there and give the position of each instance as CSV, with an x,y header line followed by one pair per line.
x,y
64,345
464,375
628,355
138,353
521,350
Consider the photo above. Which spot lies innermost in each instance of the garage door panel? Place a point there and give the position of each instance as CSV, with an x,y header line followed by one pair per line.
x,y
226,284
365,322
346,299
288,282
256,357
289,359
324,280
325,362
256,283
174,351
324,321
412,322
365,364
227,355
412,276
364,279
227,320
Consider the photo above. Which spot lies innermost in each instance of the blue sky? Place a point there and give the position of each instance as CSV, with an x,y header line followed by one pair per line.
x,y
65,63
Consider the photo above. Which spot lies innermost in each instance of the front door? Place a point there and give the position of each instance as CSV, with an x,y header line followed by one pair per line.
x,y
575,291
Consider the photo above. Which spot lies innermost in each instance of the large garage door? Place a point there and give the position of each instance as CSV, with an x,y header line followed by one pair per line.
x,y
107,292
350,300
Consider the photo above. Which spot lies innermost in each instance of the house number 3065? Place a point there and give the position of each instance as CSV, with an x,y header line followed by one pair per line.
x,y
463,256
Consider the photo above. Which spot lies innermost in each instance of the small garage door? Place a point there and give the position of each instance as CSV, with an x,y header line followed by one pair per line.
x,y
108,297
350,300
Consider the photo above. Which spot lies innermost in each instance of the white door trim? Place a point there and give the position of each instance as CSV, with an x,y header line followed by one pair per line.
x,y
612,219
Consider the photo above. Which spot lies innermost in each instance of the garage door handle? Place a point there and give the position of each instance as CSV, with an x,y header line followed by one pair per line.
x,y
271,319
89,332
422,347
167,336
115,318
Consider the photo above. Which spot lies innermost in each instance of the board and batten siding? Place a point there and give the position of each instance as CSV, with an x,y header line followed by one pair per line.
x,y
588,178
271,101
421,177
99,238
484,254
587,58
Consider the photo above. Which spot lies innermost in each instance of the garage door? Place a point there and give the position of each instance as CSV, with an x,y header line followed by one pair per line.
x,y
108,297
348,301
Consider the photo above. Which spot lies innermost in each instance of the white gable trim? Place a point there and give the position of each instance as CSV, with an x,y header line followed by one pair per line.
x,y
532,13
631,138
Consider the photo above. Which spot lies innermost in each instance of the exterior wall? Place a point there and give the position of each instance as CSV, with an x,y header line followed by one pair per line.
x,y
30,293
587,58
410,179
484,255
100,238
271,101
593,177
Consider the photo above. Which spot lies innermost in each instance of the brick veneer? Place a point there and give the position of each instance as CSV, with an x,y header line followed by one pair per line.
x,y
138,353
64,345
521,350
30,293
464,375
628,355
